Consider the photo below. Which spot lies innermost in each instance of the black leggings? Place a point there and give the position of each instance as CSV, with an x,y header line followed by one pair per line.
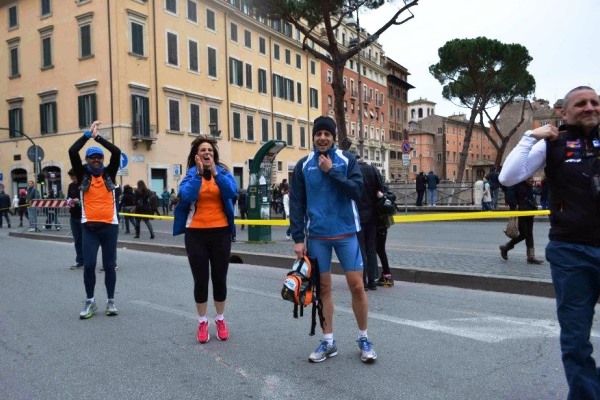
x,y
525,232
381,239
204,247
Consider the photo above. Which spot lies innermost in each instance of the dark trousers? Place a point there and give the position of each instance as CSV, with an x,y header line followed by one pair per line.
x,y
525,233
208,252
4,213
138,222
94,237
420,194
243,215
367,239
576,278
382,232
76,231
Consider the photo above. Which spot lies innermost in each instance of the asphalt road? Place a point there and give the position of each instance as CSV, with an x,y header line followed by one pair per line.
x,y
433,342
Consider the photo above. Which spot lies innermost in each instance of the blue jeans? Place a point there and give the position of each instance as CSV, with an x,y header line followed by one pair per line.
x,y
576,278
431,196
32,212
76,231
94,237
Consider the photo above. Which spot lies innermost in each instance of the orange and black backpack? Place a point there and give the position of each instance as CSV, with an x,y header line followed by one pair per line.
x,y
301,287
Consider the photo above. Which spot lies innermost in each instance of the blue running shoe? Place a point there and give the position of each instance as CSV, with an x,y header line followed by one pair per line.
x,y
323,352
367,354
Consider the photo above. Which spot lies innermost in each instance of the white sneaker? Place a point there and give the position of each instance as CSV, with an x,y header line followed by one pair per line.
x,y
288,237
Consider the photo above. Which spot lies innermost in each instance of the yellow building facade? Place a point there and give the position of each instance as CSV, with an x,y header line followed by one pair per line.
x,y
157,73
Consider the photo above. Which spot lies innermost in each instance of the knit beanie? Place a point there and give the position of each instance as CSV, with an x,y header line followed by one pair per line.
x,y
324,124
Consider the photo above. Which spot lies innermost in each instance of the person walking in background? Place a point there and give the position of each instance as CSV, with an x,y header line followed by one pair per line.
x,y
367,209
432,182
100,225
32,193
325,186
420,184
486,198
127,205
75,218
164,198
525,202
243,205
52,217
22,205
570,156
172,199
209,188
143,207
4,206
154,202
15,204
286,210
492,178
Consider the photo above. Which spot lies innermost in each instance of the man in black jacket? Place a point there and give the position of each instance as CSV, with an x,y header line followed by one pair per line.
x,y
367,209
421,184
5,204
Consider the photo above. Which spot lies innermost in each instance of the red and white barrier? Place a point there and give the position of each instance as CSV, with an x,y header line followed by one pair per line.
x,y
53,203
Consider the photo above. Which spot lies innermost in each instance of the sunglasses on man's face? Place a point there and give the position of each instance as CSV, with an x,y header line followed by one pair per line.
x,y
96,157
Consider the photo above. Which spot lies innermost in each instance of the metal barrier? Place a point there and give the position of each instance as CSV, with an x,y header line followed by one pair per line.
x,y
48,214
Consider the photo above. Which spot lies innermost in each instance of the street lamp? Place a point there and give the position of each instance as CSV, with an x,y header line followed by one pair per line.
x,y
213,129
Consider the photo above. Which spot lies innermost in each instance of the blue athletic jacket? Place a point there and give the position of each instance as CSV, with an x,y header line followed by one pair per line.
x,y
324,203
188,195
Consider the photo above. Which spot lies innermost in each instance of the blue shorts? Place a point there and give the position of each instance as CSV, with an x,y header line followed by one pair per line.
x,y
346,249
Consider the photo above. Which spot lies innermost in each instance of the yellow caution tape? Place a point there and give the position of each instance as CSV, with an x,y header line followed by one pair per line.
x,y
454,216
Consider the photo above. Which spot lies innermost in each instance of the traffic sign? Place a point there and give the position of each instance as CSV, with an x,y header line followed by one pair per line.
x,y
177,170
32,153
124,160
406,163
406,156
406,147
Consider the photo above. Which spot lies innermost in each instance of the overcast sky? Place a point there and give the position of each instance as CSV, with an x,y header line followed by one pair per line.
x,y
561,37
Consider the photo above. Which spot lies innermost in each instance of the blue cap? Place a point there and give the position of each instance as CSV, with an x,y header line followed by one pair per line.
x,y
94,150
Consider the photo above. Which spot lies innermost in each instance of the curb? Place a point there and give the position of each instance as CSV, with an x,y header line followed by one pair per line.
x,y
513,285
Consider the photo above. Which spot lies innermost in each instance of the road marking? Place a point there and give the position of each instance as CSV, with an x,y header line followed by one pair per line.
x,y
483,328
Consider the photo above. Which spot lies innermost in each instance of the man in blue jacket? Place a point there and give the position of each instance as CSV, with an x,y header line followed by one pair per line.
x,y
325,186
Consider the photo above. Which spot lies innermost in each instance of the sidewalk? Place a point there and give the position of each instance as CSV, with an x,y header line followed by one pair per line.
x,y
438,253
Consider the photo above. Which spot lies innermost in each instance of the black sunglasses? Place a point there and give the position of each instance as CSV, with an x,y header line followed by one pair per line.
x,y
96,157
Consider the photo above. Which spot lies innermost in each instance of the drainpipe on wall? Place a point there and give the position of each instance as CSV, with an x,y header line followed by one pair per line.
x,y
110,72
155,66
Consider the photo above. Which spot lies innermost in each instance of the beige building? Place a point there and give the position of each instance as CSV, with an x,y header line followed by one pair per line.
x,y
157,74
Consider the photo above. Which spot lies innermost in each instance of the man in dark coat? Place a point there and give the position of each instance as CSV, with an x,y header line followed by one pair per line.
x,y
421,186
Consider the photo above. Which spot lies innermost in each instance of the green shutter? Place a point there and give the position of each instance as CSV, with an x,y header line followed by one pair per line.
x,y
81,108
54,119
43,127
93,105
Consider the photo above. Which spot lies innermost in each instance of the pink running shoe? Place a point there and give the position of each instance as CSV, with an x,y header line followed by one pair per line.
x,y
203,335
222,331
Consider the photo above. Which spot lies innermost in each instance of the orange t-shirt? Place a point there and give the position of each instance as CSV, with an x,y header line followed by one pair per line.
x,y
209,207
98,204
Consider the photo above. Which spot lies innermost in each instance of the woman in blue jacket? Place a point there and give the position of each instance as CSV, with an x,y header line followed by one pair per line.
x,y
207,190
